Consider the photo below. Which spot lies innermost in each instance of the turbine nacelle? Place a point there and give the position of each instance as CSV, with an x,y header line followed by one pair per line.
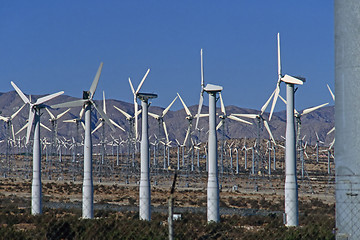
x,y
86,95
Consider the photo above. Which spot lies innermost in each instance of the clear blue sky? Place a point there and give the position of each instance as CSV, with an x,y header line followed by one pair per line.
x,y
48,46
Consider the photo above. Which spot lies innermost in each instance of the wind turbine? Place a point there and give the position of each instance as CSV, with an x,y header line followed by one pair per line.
x,y
317,146
261,121
130,133
87,102
299,115
135,100
9,124
189,117
103,140
161,122
10,127
298,124
223,118
54,124
34,118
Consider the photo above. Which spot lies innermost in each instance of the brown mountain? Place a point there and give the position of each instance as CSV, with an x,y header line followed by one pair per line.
x,y
320,121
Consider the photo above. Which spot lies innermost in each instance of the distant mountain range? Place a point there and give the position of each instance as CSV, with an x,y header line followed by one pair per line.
x,y
320,121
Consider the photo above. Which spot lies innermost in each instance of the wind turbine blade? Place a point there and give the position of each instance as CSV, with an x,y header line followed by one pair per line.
x,y
3,118
21,129
219,125
263,108
30,123
168,107
51,115
309,110
202,69
21,94
332,94
136,116
76,103
185,107
97,127
82,112
48,97
333,129
43,126
282,99
95,81
187,135
279,55
238,119
247,115
116,125
123,112
202,115
166,133
12,131
16,113
142,81
103,115
70,121
131,86
83,125
268,130
317,136
104,103
277,91
332,144
154,115
201,100
62,114
222,104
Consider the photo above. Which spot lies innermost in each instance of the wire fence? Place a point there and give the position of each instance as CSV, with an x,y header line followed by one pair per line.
x,y
251,197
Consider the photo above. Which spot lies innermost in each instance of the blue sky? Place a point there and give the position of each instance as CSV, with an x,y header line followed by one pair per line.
x,y
48,46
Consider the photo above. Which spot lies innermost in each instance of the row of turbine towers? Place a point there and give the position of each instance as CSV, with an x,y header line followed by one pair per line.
x,y
87,105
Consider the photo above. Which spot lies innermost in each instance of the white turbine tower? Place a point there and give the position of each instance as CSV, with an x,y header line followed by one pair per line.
x,y
34,118
144,193
213,197
87,102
